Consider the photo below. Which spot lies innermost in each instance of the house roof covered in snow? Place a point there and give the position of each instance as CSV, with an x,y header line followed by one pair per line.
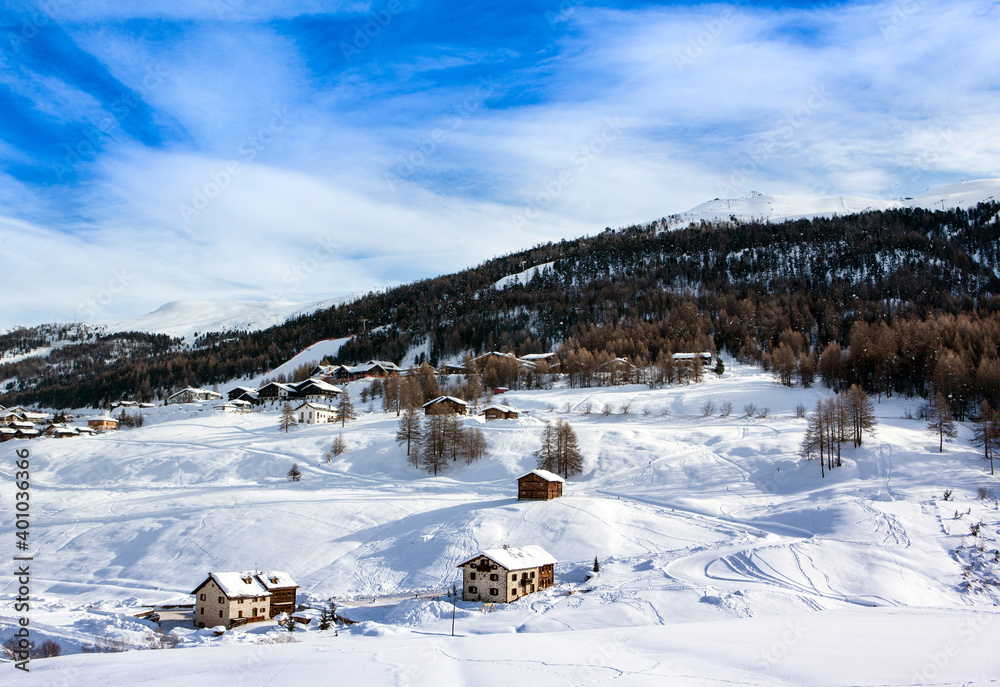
x,y
546,475
512,558
319,384
236,584
441,399
500,406
276,579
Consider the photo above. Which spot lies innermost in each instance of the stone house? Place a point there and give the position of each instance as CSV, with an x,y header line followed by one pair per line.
x,y
507,574
232,599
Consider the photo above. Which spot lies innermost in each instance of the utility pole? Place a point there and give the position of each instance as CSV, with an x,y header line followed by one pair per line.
x,y
364,325
454,604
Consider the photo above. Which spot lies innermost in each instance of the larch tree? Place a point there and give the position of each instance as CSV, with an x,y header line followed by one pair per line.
x,y
569,459
287,418
409,432
433,443
294,474
546,453
339,445
861,412
345,409
987,431
940,421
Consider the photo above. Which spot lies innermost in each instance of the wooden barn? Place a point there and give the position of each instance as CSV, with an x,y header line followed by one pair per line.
x,y
495,411
446,404
539,485
507,574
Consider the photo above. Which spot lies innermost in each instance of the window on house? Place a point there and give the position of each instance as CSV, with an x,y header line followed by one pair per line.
x,y
472,590
494,591
255,613
201,611
532,575
472,576
201,597
494,577
513,576
220,599
220,614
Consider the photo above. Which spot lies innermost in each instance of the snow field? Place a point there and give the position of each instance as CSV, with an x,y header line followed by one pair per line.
x,y
713,537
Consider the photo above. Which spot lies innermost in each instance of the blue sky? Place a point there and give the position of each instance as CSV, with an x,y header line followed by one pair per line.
x,y
236,150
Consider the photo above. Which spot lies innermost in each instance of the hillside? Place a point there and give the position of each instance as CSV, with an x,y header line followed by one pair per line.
x,y
735,287
705,527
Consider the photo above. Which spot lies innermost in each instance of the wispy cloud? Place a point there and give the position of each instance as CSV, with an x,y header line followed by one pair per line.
x,y
450,135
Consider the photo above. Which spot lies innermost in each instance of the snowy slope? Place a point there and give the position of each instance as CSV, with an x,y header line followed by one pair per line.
x,y
522,277
759,207
713,537
185,318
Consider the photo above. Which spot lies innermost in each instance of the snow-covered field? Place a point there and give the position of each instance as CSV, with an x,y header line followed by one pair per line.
x,y
725,559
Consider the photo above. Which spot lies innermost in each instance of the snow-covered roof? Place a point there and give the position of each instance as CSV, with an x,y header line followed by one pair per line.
x,y
206,393
537,356
276,579
315,406
8,430
287,387
247,389
691,356
500,406
439,399
546,475
511,558
237,584
319,384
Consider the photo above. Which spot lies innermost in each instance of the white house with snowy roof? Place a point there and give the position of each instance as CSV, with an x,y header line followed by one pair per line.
x,y
507,574
232,599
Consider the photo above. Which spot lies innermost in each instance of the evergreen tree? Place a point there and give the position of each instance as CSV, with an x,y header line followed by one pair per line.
x,y
940,421
287,418
597,566
294,474
345,409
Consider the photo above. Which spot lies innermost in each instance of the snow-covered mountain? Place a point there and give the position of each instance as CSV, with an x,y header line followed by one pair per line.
x,y
186,318
760,207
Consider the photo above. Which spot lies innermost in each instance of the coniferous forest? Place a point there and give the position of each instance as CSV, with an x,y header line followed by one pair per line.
x,y
898,302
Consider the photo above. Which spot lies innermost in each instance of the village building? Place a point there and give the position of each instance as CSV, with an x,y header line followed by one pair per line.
x,y
451,369
275,391
232,599
192,395
60,431
28,433
35,418
496,411
316,391
507,574
446,404
243,393
282,588
102,424
9,417
237,407
688,358
315,414
539,485
7,433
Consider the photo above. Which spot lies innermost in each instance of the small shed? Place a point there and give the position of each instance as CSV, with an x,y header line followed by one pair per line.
x,y
446,404
539,485
496,411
